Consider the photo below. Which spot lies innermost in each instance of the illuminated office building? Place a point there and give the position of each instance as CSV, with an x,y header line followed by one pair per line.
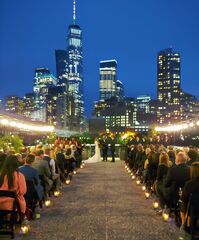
x,y
119,90
169,86
190,106
145,115
60,57
118,115
29,105
108,79
74,73
14,104
55,107
42,82
143,103
1,105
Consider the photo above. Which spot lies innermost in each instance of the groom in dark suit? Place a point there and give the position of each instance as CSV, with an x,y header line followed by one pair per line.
x,y
104,148
112,148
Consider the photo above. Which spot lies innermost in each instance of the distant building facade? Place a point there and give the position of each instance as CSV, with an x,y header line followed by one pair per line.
x,y
60,57
74,72
143,102
14,105
108,79
119,116
190,106
1,105
169,86
29,105
42,82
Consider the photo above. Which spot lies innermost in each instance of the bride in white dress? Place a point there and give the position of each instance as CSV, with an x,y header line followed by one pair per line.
x,y
97,156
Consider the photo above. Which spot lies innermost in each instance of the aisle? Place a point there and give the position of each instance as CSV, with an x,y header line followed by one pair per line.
x,y
101,204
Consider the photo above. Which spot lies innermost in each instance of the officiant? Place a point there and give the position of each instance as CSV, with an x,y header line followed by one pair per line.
x,y
104,145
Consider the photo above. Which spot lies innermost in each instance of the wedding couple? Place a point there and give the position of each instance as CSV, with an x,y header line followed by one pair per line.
x,y
97,157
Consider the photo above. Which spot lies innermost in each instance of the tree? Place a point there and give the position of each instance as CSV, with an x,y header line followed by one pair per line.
x,y
11,141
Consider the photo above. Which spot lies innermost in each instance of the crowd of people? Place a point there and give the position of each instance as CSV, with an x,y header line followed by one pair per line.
x,y
37,173
171,175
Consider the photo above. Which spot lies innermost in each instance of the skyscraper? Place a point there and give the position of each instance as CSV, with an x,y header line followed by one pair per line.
x,y
169,85
42,82
74,68
14,104
108,79
143,103
119,90
29,105
60,57
1,107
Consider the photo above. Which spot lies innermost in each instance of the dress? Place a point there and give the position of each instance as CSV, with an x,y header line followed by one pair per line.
x,y
19,187
97,157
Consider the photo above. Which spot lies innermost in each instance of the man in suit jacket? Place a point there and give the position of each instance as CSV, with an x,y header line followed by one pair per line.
x,y
31,174
179,173
112,148
44,171
176,178
104,148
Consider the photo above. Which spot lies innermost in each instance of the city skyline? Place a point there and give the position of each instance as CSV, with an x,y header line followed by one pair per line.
x,y
23,71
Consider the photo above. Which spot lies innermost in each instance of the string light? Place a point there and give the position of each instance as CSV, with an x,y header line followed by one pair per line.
x,y
177,127
25,126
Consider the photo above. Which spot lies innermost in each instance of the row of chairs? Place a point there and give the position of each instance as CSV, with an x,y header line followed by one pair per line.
x,y
192,211
10,218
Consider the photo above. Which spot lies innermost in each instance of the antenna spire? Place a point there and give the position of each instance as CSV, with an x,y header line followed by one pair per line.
x,y
74,11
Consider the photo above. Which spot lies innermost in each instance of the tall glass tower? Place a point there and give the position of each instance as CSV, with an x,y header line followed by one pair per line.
x,y
169,85
74,69
108,78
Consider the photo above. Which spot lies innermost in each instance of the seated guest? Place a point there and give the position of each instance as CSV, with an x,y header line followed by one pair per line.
x,y
146,162
171,154
51,162
2,159
191,188
21,161
12,180
32,150
152,166
76,155
69,160
31,174
192,156
43,170
163,167
176,178
47,158
60,159
139,159
132,152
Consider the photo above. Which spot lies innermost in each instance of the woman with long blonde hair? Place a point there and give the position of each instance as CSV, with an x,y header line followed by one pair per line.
x,y
163,167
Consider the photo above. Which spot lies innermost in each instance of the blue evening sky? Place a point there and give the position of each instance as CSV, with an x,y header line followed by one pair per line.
x,y
131,31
